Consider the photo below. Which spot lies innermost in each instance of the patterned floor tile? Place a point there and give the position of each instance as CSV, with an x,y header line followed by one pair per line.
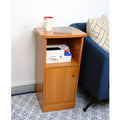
x,y
26,107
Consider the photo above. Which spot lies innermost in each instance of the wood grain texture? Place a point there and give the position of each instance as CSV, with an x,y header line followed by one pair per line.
x,y
56,83
55,41
60,85
64,64
59,106
40,70
50,34
75,48
79,61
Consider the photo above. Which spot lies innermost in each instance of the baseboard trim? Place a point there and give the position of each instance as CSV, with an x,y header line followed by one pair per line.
x,y
23,89
23,93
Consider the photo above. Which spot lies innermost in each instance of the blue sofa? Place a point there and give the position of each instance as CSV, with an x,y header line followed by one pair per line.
x,y
94,72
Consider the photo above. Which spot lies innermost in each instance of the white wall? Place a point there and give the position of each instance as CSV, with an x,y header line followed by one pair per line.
x,y
27,14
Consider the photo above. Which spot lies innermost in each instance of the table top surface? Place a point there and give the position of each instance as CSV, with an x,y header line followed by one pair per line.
x,y
50,34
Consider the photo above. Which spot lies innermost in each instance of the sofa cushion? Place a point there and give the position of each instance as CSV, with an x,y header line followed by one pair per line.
x,y
98,30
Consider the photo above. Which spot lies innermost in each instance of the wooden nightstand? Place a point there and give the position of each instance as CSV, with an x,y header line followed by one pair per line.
x,y
56,83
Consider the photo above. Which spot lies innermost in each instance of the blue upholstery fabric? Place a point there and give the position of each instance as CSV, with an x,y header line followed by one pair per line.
x,y
80,26
94,72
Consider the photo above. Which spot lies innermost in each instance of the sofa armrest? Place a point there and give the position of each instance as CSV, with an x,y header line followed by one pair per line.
x,y
94,72
95,69
80,26
97,49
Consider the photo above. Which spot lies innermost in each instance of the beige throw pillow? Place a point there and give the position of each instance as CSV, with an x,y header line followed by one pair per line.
x,y
98,30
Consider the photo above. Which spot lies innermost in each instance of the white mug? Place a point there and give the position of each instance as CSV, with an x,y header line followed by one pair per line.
x,y
47,23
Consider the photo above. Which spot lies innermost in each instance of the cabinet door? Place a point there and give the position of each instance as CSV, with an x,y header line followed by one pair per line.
x,y
60,84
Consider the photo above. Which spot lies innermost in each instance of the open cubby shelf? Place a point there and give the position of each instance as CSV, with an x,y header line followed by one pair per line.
x,y
74,44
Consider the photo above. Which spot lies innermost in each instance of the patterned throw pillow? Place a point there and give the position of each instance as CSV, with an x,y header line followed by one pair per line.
x,y
98,30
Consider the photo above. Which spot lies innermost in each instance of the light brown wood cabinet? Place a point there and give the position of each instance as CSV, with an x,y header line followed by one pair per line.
x,y
56,83
60,84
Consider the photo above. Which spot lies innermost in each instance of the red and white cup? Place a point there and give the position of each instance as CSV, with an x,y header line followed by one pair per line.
x,y
48,23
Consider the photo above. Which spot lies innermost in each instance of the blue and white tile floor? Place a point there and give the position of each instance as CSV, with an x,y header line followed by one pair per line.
x,y
26,107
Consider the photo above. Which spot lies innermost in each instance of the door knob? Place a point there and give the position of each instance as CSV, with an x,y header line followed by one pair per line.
x,y
73,76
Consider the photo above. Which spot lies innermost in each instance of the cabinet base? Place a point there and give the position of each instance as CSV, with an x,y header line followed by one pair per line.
x,y
60,106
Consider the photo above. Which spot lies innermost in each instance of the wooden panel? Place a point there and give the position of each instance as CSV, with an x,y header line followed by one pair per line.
x,y
64,64
60,106
40,56
60,85
81,49
56,41
76,46
50,34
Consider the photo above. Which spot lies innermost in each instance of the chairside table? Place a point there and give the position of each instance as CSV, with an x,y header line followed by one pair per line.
x,y
56,83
